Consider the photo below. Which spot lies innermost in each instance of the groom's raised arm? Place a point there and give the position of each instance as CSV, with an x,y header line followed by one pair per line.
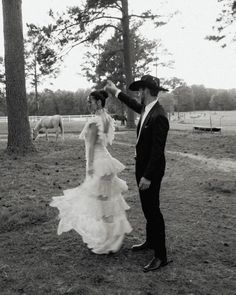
x,y
129,101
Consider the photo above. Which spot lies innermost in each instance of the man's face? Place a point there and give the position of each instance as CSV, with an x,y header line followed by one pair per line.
x,y
142,94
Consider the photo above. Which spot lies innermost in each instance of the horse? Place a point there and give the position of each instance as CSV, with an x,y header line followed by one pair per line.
x,y
49,122
121,118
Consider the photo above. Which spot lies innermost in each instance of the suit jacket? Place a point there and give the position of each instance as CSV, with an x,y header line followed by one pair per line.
x,y
150,147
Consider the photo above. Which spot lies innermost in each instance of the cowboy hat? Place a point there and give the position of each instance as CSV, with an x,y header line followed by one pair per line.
x,y
147,81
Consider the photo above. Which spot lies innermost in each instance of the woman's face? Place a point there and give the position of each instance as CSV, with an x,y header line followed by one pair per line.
x,y
92,104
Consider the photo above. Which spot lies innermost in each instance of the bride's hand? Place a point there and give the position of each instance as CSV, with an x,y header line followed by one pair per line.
x,y
107,177
90,172
111,88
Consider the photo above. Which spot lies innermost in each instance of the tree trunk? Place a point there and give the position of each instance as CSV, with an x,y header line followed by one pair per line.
x,y
19,135
127,58
36,86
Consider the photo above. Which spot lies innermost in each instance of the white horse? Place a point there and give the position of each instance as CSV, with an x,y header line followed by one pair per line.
x,y
49,122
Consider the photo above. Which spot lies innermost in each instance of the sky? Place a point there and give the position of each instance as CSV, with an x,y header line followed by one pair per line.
x,y
197,61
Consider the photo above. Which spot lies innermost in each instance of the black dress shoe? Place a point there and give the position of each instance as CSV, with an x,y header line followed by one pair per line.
x,y
140,247
154,264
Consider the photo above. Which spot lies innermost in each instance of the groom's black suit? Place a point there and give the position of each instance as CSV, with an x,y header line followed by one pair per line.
x,y
150,163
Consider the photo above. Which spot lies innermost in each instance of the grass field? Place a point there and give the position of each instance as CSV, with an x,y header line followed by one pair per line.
x,y
182,121
197,201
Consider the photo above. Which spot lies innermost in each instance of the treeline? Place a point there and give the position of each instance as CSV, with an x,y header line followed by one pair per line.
x,y
183,99
197,98
61,102
58,102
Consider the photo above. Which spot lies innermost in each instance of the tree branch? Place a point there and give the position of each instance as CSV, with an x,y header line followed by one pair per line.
x,y
143,16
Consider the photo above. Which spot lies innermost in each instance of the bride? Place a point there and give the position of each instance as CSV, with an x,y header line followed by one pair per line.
x,y
96,208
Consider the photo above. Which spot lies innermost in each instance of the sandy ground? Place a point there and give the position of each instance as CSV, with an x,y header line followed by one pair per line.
x,y
197,200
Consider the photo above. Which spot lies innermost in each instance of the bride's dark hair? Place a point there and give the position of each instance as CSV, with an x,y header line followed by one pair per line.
x,y
100,95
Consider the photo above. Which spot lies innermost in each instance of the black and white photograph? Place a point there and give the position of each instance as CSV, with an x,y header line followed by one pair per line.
x,y
117,147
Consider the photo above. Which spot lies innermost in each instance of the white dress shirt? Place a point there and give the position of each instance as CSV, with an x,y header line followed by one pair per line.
x,y
146,112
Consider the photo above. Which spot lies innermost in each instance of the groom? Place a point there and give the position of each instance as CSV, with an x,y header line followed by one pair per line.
x,y
152,132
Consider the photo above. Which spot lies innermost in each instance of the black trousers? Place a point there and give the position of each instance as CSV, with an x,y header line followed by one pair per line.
x,y
155,225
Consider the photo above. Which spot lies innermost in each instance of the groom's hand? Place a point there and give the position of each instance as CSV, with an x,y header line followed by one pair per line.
x,y
111,88
144,184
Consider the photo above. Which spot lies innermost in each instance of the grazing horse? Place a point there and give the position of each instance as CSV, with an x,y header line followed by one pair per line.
x,y
49,122
121,118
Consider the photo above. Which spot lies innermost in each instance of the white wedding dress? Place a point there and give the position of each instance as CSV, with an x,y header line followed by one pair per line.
x,y
96,208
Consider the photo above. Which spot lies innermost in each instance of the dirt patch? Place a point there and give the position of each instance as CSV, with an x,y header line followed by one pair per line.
x,y
186,142
198,205
226,165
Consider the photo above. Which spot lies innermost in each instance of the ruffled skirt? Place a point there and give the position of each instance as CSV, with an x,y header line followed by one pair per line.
x,y
96,209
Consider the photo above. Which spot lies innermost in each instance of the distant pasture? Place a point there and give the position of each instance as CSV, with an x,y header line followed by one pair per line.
x,y
70,126
223,119
179,121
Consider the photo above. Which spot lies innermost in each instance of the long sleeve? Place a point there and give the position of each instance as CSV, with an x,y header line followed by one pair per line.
x,y
130,102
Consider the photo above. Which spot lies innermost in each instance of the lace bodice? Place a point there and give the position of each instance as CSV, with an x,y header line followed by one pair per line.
x,y
105,125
